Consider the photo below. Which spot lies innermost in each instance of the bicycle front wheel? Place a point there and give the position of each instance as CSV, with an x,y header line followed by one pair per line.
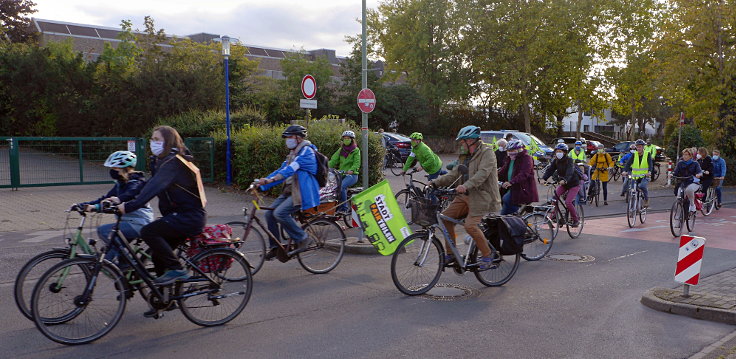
x,y
253,247
416,266
676,218
67,313
642,211
710,202
326,247
502,269
691,221
575,232
402,199
543,235
397,166
631,210
30,273
218,294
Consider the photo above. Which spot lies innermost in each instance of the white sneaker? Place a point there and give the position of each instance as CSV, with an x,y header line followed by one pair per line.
x,y
692,208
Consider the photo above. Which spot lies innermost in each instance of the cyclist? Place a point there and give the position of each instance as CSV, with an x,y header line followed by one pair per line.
x,y
477,194
301,190
690,169
640,166
623,158
501,152
128,183
650,149
719,172
181,202
346,160
602,163
578,153
517,175
706,164
427,159
564,166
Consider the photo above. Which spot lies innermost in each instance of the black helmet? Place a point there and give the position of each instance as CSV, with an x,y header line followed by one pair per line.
x,y
295,130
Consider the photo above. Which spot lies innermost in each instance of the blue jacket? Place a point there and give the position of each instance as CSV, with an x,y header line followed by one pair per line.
x,y
625,158
304,166
178,196
125,191
719,167
687,169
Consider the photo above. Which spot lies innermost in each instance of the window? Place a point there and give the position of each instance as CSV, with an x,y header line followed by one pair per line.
x,y
586,128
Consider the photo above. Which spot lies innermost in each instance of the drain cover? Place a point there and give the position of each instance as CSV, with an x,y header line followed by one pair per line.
x,y
570,257
450,292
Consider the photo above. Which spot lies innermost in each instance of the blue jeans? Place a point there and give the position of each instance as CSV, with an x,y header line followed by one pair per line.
x,y
436,174
643,182
718,193
104,230
508,207
347,181
283,208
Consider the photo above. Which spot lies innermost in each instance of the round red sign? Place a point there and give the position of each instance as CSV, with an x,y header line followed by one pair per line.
x,y
366,100
309,87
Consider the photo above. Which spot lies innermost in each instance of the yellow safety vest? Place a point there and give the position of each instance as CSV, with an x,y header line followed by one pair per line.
x,y
580,156
639,168
651,150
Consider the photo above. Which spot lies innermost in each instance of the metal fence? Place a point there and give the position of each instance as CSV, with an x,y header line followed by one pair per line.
x,y
62,161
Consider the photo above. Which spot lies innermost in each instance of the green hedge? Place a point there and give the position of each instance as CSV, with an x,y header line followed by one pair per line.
x,y
202,123
259,149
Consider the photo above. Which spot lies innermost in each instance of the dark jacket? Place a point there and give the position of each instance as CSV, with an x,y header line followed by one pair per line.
x,y
564,168
706,164
126,191
523,184
686,170
178,197
501,158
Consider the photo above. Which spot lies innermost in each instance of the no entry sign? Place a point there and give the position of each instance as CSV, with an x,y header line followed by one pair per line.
x,y
309,87
366,100
689,259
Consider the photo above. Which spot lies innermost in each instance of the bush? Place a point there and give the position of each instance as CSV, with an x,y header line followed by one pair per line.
x,y
204,123
691,137
442,144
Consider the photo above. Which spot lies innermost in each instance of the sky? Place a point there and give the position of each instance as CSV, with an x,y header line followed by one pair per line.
x,y
287,24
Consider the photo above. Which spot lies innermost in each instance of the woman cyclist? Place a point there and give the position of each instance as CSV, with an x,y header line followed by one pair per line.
x,y
564,166
706,164
517,175
346,160
689,168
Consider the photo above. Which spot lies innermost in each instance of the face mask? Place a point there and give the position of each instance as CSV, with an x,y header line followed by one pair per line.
x,y
559,155
347,142
414,144
715,157
698,156
632,151
513,154
291,143
115,175
463,149
502,149
577,147
157,147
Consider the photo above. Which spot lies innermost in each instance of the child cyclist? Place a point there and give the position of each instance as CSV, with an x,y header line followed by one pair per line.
x,y
128,183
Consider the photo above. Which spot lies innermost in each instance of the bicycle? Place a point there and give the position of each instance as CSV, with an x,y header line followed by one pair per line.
x,y
618,168
634,205
561,215
678,214
542,234
323,254
36,266
710,201
82,299
418,262
594,193
656,170
392,161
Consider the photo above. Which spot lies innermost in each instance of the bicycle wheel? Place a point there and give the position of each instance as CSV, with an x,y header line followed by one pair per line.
x,y
676,218
642,210
253,247
62,311
27,277
575,232
616,173
397,166
690,220
543,236
504,267
326,246
416,266
710,202
655,173
222,293
631,207
557,220
402,198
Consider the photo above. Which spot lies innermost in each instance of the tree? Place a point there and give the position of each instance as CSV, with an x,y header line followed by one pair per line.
x,y
14,22
295,67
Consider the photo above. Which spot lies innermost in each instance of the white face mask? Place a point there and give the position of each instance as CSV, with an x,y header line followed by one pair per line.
x,y
715,157
698,156
559,155
632,151
157,147
291,143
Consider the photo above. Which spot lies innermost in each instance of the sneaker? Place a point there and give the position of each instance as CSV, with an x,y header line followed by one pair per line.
x,y
486,263
621,195
449,259
575,224
605,203
154,313
171,276
301,246
646,203
271,254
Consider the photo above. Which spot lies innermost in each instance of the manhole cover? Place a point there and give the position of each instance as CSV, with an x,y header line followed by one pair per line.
x,y
571,257
450,292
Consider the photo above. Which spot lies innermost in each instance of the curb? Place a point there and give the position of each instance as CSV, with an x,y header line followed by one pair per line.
x,y
650,300
353,246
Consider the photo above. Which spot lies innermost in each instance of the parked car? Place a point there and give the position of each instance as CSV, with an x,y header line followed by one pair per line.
x,y
569,141
591,147
399,142
624,147
526,138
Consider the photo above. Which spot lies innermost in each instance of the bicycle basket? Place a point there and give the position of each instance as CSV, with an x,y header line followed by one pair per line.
x,y
423,211
217,236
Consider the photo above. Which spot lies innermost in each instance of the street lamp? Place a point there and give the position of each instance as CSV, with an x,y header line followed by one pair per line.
x,y
226,55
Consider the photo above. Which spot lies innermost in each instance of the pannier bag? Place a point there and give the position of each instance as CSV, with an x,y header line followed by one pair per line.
x,y
216,236
506,233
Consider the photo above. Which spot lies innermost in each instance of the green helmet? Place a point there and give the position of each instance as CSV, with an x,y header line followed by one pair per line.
x,y
416,136
468,132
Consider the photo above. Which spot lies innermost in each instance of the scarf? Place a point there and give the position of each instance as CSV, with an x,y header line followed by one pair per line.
x,y
345,151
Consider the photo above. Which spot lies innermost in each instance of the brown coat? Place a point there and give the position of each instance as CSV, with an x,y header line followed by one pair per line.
x,y
482,183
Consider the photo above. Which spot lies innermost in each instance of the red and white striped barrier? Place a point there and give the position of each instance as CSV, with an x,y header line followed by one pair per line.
x,y
354,217
669,173
689,259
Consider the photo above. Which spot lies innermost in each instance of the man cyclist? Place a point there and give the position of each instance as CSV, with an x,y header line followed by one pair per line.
x,y
578,153
640,166
301,190
427,159
719,172
477,194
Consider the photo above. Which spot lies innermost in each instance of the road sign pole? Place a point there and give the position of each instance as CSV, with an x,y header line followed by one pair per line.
x,y
364,116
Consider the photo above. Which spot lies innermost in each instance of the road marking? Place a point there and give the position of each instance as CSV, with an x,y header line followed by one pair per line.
x,y
40,236
642,229
627,255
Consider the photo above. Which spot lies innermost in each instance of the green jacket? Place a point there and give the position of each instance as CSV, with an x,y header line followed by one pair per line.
x,y
427,159
350,163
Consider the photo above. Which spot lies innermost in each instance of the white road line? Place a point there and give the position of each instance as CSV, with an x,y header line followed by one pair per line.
x,y
41,236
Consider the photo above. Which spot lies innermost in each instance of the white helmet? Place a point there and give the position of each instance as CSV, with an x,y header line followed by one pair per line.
x,y
348,133
121,159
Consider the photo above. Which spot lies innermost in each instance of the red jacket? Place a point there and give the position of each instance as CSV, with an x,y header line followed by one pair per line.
x,y
523,185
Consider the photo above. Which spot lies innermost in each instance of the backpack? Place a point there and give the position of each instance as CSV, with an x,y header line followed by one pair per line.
x,y
323,168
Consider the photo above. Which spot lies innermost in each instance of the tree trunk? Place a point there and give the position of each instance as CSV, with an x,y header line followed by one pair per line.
x,y
527,118
580,119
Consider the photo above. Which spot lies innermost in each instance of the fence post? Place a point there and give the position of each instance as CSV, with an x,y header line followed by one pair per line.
x,y
140,153
81,161
14,163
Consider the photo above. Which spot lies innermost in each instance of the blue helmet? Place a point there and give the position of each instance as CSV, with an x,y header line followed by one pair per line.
x,y
578,143
468,132
562,146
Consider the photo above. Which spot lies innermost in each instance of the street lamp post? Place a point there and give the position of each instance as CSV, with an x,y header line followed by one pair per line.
x,y
226,55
